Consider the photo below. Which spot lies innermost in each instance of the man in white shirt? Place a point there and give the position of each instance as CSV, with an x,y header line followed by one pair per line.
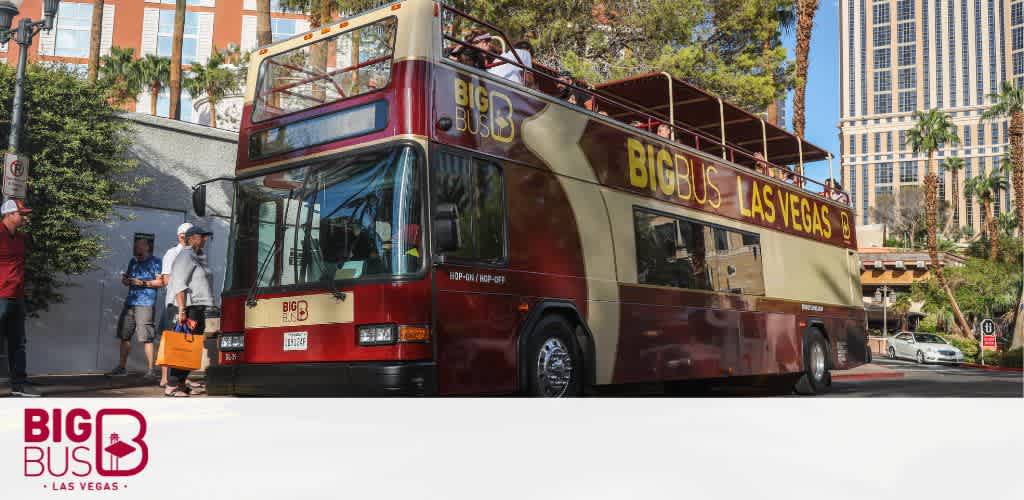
x,y
170,309
512,72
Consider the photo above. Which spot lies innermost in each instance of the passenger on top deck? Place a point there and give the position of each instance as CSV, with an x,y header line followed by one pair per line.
x,y
512,72
762,165
834,191
476,54
664,130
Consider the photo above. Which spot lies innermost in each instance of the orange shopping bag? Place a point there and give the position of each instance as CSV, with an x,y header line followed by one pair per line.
x,y
180,349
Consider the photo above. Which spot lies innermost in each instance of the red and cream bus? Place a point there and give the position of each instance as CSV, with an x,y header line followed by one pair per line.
x,y
406,222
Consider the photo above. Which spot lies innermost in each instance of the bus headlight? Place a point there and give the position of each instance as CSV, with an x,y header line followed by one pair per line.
x,y
378,335
232,342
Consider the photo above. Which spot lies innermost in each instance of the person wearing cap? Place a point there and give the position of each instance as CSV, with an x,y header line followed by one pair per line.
x,y
170,310
192,288
13,248
142,279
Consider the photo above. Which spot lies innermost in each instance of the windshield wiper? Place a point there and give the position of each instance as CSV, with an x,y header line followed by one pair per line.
x,y
275,249
318,257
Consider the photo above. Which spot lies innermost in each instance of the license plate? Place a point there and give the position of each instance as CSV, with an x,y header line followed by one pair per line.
x,y
296,341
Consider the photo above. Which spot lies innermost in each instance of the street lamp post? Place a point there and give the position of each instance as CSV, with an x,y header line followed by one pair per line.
x,y
22,34
882,294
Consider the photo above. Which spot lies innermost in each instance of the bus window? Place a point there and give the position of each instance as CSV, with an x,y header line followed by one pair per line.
x,y
670,251
677,252
348,64
351,218
477,188
735,262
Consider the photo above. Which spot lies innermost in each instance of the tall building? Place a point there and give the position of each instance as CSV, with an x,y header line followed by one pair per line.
x,y
899,56
147,26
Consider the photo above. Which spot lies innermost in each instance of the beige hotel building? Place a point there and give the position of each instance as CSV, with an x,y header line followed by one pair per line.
x,y
899,56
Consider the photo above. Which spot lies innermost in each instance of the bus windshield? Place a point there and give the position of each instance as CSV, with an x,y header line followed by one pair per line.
x,y
346,65
356,217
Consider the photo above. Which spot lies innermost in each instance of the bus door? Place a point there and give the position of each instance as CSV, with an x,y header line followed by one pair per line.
x,y
474,308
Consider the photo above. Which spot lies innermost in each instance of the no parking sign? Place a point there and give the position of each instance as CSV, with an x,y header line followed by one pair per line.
x,y
15,175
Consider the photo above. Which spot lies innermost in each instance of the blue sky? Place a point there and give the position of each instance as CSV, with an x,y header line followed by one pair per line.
x,y
822,86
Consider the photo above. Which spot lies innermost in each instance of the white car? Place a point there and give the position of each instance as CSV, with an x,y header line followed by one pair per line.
x,y
923,348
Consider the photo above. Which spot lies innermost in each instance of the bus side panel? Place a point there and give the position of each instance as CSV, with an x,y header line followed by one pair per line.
x,y
475,332
669,334
477,306
770,344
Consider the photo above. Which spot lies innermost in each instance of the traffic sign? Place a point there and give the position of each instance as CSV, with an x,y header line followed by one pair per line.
x,y
15,175
988,334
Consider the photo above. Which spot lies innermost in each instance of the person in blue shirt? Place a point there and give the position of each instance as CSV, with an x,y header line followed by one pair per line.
x,y
142,279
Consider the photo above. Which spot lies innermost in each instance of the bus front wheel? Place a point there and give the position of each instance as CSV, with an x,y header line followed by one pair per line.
x,y
554,365
816,378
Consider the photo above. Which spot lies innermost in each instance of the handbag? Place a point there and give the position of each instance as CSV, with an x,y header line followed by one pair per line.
x,y
180,349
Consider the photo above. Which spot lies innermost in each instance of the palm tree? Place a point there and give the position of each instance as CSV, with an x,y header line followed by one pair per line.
x,y
95,36
174,110
955,164
1009,103
263,34
118,74
933,130
805,10
215,80
153,72
1007,222
986,189
782,20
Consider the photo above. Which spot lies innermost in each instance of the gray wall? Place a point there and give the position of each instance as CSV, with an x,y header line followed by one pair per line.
x,y
78,335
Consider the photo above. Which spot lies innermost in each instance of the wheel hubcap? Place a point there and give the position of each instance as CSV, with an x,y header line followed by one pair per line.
x,y
554,368
818,361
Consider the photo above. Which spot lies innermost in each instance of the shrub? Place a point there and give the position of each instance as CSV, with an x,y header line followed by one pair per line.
x,y
967,346
1013,358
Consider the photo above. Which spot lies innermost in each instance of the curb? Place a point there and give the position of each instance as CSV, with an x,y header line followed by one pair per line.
x,y
867,376
993,368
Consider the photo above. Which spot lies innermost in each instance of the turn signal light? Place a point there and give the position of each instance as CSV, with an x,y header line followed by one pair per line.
x,y
408,333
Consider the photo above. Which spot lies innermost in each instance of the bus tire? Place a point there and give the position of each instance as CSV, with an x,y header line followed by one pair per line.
x,y
554,366
816,378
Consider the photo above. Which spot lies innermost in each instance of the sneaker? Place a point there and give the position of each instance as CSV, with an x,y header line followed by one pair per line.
x,y
24,391
120,370
151,375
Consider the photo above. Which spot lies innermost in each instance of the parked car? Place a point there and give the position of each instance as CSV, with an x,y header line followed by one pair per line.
x,y
923,348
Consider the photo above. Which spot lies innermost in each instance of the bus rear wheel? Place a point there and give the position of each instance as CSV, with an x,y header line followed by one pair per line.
x,y
816,378
553,362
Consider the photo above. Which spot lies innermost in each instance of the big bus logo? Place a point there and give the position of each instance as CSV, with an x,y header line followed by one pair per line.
x,y
294,311
483,112
69,448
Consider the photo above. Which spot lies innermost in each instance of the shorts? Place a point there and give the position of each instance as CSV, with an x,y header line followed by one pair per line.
x,y
136,321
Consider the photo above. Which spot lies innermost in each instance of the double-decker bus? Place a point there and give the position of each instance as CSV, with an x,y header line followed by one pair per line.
x,y
409,221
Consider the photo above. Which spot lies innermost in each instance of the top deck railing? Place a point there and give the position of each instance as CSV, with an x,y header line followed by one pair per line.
x,y
596,101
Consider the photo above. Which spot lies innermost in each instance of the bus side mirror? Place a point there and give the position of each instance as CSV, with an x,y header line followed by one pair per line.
x,y
199,200
446,228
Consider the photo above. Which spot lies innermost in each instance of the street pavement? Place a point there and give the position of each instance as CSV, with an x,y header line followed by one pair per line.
x,y
932,381
881,378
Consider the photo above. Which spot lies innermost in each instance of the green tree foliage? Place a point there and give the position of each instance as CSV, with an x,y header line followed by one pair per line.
x,y
117,75
215,80
983,288
153,73
77,173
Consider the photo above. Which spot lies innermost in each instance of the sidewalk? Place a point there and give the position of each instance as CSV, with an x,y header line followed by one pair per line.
x,y
867,372
72,385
